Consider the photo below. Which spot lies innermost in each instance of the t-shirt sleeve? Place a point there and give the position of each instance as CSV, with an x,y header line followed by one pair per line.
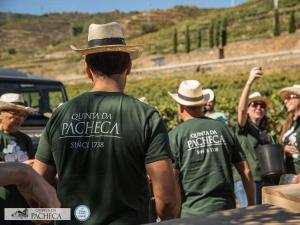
x,y
44,153
157,140
174,150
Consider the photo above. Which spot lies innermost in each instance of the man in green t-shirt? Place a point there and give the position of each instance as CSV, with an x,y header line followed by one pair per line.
x,y
103,143
15,146
204,150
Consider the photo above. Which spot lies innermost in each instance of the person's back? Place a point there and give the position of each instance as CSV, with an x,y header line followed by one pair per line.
x,y
103,143
205,158
98,143
204,150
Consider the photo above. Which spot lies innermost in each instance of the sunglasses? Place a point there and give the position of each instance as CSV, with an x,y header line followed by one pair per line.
x,y
256,104
289,97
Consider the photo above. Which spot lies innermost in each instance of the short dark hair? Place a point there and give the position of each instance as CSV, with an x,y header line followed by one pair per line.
x,y
108,63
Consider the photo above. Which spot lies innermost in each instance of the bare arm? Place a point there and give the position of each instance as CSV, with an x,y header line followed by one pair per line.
x,y
245,172
164,189
36,191
46,171
255,73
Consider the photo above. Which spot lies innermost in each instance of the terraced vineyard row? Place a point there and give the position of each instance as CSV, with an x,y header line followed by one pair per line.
x,y
227,89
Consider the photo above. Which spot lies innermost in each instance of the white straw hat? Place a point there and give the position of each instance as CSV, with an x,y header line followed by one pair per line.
x,y
108,38
190,94
295,89
13,101
257,97
210,94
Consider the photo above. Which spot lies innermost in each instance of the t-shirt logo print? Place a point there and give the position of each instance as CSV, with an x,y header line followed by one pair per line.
x,y
14,153
86,125
205,141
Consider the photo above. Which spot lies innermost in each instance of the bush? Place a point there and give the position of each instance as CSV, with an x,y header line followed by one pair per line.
x,y
77,30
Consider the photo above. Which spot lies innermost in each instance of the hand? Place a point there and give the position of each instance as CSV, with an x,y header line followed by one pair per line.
x,y
255,73
265,137
290,150
298,178
29,162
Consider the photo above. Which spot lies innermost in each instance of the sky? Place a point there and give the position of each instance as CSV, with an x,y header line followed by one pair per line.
x,y
39,7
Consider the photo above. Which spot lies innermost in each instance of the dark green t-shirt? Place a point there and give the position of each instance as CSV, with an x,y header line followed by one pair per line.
x,y
99,143
250,140
292,137
204,150
15,147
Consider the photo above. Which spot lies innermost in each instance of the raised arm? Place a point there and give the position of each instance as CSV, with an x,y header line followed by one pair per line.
x,y
36,191
164,189
255,73
245,173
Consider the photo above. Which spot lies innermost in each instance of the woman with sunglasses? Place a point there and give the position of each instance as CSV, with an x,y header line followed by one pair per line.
x,y
252,131
290,133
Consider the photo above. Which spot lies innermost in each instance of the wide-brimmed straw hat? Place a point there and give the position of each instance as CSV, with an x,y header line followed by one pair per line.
x,y
257,97
108,38
209,94
13,101
295,89
190,94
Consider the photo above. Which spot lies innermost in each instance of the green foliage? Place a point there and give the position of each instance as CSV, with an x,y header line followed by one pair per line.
x,y
227,88
175,41
292,23
276,23
11,51
199,39
77,30
187,40
148,28
211,35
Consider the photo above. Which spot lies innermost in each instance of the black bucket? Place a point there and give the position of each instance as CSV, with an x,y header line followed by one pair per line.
x,y
271,159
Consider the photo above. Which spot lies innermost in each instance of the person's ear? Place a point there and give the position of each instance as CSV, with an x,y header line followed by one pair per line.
x,y
128,70
88,71
181,108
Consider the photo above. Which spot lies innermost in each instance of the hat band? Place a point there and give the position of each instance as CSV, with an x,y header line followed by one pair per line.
x,y
106,41
192,99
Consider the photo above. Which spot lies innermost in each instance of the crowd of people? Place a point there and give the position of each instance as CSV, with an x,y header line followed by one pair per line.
x,y
100,149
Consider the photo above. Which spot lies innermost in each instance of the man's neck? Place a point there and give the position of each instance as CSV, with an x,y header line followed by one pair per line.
x,y
113,83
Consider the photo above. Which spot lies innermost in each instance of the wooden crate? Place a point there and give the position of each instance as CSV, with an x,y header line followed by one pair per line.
x,y
284,196
254,215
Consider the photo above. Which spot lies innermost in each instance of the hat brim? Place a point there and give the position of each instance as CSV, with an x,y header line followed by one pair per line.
x,y
289,90
7,105
268,102
188,103
208,94
134,51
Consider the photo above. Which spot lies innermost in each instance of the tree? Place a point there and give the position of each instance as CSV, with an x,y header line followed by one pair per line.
x,y
199,43
292,23
223,38
175,41
224,33
211,35
276,23
77,30
217,34
187,40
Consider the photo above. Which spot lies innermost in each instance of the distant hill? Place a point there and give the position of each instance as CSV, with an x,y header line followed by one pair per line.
x,y
31,40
